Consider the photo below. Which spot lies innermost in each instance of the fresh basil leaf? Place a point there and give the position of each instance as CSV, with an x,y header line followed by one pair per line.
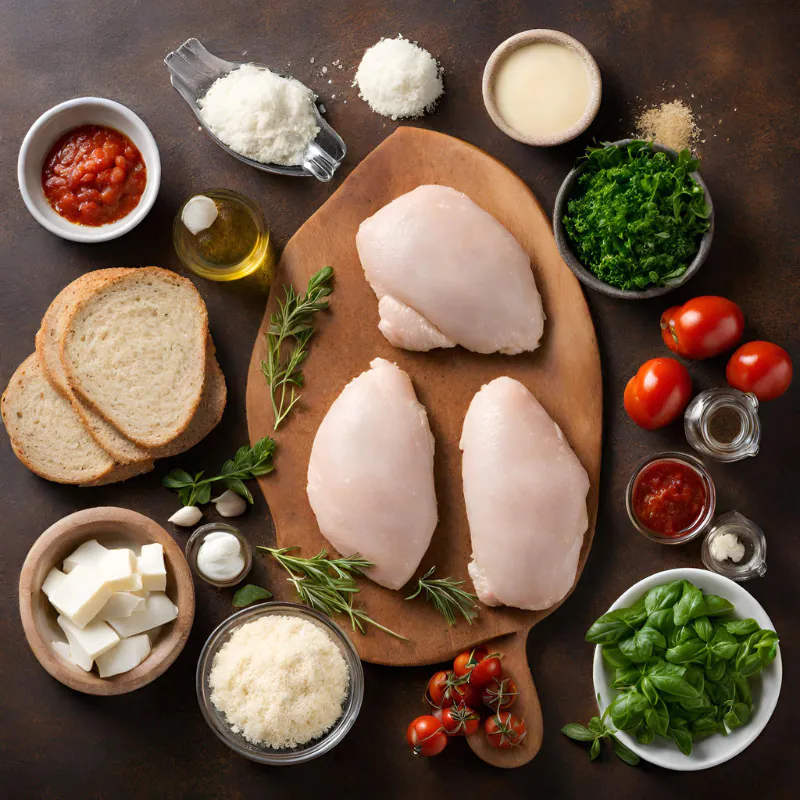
x,y
722,691
614,656
673,685
649,691
715,668
662,620
237,485
690,606
624,753
250,594
176,479
742,690
663,597
682,739
766,646
609,629
657,718
723,644
737,716
644,734
578,732
202,495
687,652
626,677
705,725
639,647
741,627
594,750
717,606
627,709
703,628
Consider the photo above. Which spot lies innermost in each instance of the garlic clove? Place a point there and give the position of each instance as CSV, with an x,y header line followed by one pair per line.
x,y
230,504
199,213
186,516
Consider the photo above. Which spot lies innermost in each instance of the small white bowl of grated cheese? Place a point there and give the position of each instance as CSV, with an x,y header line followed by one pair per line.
x,y
279,683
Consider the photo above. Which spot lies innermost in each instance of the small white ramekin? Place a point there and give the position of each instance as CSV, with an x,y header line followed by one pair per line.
x,y
43,135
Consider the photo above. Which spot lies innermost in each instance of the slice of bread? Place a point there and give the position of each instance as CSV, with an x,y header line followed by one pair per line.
x,y
48,436
134,349
48,340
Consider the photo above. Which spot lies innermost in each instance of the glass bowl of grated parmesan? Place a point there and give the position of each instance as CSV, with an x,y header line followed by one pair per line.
x,y
279,683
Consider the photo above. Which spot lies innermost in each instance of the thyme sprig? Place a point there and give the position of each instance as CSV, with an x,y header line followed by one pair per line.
x,y
447,597
292,324
328,585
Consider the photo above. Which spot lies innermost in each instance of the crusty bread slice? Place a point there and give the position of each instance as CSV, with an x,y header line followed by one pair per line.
x,y
48,339
134,350
49,438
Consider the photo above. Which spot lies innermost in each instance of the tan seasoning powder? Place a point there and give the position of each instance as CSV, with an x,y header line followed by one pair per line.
x,y
670,124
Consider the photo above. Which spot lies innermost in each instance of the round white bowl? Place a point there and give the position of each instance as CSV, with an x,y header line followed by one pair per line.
x,y
43,135
766,686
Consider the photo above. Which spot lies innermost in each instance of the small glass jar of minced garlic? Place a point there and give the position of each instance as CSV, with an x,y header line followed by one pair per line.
x,y
221,235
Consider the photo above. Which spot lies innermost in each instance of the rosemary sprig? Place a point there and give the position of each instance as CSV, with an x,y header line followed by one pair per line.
x,y
292,321
248,463
447,597
327,584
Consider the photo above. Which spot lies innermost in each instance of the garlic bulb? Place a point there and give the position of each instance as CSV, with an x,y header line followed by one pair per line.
x,y
230,504
186,516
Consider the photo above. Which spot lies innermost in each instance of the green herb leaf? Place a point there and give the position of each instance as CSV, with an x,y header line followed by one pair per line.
x,y
447,597
737,716
624,753
663,597
682,739
742,627
578,732
250,594
614,656
611,628
627,709
594,750
703,628
292,324
690,606
717,606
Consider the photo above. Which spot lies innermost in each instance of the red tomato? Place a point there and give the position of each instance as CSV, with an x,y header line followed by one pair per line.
x,y
446,688
500,694
657,393
460,720
504,730
762,368
486,670
467,660
426,737
702,327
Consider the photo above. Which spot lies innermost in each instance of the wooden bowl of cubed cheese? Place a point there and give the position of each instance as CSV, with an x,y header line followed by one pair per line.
x,y
107,600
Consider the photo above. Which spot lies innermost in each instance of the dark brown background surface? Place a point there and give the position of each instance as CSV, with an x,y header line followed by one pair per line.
x,y
739,61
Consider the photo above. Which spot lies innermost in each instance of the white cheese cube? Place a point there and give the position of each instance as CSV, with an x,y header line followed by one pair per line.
x,y
61,649
152,569
89,554
118,567
129,653
158,610
81,595
54,577
119,605
94,640
77,655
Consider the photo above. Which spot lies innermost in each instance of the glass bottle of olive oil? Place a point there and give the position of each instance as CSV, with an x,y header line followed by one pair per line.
x,y
236,244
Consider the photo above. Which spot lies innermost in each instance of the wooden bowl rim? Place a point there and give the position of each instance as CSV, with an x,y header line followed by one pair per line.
x,y
504,49
175,639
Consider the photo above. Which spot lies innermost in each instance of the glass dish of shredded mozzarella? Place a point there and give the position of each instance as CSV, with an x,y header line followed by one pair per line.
x,y
279,683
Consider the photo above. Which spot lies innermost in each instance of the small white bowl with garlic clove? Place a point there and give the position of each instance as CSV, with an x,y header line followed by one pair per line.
x,y
219,554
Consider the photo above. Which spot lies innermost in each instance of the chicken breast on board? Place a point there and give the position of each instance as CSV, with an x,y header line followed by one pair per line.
x,y
370,475
525,493
446,272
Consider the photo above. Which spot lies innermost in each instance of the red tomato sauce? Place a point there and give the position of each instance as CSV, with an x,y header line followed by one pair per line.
x,y
94,175
669,497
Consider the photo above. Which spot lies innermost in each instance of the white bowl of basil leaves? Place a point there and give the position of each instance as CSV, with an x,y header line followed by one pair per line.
x,y
733,644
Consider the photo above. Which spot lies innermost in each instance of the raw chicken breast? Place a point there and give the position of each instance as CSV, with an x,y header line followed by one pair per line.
x,y
446,273
525,493
370,475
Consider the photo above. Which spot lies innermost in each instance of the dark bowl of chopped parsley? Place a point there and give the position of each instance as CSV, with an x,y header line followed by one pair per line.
x,y
634,219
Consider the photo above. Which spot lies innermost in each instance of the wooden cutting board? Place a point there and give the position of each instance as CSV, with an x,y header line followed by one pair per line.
x,y
564,374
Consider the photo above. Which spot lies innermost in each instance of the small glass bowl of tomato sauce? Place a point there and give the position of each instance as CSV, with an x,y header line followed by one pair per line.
x,y
671,498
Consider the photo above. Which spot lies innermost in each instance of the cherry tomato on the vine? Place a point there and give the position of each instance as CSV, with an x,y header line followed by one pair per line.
x,y
486,670
762,368
657,393
702,327
460,720
426,736
504,730
467,660
500,694
446,688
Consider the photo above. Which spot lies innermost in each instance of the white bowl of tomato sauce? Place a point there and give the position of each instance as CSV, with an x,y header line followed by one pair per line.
x,y
89,170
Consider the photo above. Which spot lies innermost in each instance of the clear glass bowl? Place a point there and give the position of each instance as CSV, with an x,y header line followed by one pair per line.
x,y
754,561
700,524
196,539
268,755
